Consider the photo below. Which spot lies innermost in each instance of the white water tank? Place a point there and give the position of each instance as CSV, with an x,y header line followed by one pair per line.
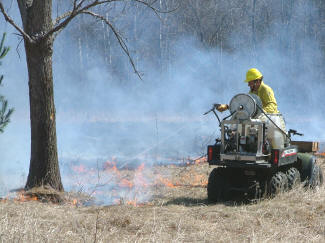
x,y
276,137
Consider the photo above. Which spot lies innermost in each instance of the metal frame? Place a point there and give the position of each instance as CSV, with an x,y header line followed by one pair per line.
x,y
259,157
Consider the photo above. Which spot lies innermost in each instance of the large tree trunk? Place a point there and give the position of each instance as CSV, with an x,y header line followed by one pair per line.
x,y
44,166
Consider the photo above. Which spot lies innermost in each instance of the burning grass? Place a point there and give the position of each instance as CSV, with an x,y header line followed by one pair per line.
x,y
178,212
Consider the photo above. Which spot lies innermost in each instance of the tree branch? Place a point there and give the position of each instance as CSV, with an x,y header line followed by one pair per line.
x,y
155,10
58,19
8,19
76,6
118,37
149,5
77,9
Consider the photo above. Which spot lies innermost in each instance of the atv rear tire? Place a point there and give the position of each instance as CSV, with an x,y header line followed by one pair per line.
x,y
278,183
217,185
316,178
294,178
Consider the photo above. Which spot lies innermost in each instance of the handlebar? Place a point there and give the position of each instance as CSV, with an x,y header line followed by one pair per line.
x,y
215,106
205,113
214,112
294,132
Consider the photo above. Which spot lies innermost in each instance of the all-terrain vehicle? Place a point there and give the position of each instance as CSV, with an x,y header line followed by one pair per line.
x,y
255,156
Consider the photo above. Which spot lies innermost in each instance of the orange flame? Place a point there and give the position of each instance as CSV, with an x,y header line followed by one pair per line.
x,y
126,183
136,181
79,168
140,168
132,202
164,181
200,160
21,197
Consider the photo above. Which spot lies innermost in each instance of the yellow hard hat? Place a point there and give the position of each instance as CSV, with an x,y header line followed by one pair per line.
x,y
253,74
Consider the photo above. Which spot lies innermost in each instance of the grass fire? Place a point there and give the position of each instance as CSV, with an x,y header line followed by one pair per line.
x,y
177,211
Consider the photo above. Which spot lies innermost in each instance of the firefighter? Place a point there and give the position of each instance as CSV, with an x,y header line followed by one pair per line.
x,y
254,78
276,129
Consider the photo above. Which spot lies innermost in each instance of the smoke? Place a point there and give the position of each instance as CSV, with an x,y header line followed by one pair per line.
x,y
106,112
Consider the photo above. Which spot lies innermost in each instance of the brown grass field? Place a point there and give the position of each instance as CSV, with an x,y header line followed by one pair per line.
x,y
176,213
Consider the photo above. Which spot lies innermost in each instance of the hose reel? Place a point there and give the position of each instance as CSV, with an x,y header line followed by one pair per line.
x,y
245,106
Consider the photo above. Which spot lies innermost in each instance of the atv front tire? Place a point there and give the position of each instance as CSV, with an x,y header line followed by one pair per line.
x,y
217,185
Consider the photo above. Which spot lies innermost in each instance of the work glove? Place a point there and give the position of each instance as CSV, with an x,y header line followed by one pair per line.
x,y
221,107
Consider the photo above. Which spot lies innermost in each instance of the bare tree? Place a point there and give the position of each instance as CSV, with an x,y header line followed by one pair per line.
x,y
39,31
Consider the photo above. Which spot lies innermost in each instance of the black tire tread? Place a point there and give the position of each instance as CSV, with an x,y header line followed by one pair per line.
x,y
294,178
316,179
278,183
217,185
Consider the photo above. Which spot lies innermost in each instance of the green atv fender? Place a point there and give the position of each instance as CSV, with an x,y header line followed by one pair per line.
x,y
308,167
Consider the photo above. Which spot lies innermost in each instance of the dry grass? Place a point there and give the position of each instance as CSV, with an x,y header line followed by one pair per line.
x,y
179,214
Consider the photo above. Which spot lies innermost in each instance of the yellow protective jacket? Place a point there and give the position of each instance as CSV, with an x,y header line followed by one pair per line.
x,y
267,97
